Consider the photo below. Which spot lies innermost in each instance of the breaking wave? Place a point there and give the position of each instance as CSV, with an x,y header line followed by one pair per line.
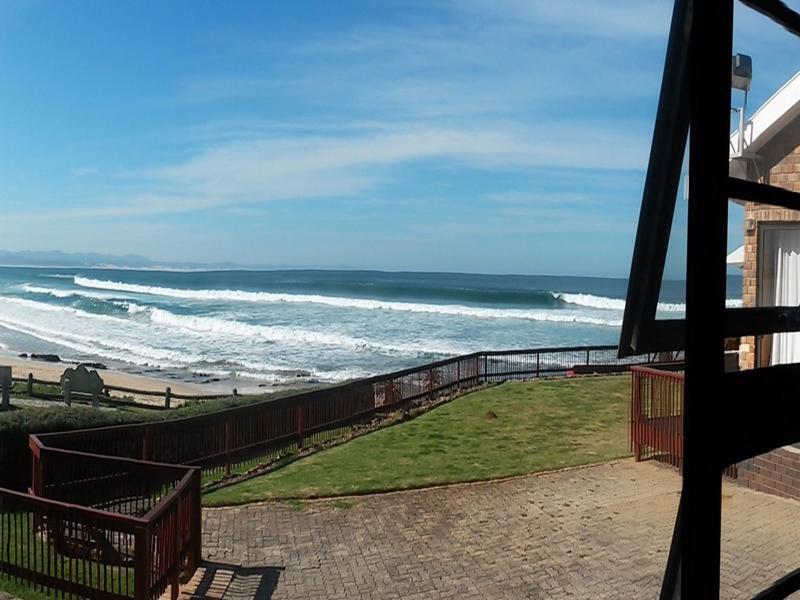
x,y
351,303
602,302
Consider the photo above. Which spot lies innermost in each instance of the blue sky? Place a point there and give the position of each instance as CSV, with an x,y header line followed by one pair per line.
x,y
471,135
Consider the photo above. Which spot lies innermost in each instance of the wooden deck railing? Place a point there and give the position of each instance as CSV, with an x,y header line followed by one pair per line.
x,y
114,512
102,526
656,417
656,414
261,432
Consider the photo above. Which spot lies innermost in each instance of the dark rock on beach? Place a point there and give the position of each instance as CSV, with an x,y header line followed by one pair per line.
x,y
95,365
23,355
54,358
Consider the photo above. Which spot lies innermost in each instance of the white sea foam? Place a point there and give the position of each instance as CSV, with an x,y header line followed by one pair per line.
x,y
283,335
604,303
89,333
132,307
131,339
555,316
59,293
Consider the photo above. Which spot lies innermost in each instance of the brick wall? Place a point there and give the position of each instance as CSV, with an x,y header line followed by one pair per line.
x,y
785,174
776,472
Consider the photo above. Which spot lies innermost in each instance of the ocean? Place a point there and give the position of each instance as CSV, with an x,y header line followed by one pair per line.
x,y
298,326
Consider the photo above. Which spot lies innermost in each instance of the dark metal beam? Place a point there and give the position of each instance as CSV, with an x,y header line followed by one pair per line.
x,y
782,588
761,320
660,188
710,68
670,334
670,588
761,412
763,194
778,12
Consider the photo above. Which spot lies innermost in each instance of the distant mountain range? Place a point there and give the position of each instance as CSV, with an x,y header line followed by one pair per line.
x,y
92,259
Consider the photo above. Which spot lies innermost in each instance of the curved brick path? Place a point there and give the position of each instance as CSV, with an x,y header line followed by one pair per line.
x,y
595,532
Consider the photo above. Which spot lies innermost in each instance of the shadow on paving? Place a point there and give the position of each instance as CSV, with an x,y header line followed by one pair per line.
x,y
257,583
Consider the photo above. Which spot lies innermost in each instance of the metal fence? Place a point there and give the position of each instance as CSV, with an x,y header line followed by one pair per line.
x,y
237,438
115,511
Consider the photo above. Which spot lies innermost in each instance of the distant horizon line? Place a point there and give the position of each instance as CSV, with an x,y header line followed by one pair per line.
x,y
265,269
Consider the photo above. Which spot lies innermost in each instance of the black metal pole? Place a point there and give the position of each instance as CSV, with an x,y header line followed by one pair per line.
x,y
711,47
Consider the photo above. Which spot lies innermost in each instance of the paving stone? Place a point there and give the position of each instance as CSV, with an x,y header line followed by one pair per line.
x,y
595,532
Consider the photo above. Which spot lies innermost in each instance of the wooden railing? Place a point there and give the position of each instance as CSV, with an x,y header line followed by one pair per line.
x,y
76,550
114,512
101,526
656,414
162,399
241,437
656,417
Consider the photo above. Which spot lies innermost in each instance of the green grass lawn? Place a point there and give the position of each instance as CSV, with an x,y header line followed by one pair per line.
x,y
540,426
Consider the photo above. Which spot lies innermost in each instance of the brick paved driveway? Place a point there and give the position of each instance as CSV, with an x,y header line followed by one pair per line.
x,y
596,532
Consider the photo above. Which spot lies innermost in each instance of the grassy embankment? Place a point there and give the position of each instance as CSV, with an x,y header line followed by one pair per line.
x,y
539,426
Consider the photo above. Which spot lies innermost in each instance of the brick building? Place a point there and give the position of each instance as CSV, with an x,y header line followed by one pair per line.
x,y
770,259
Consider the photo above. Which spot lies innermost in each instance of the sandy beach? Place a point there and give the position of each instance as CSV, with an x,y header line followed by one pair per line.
x,y
52,371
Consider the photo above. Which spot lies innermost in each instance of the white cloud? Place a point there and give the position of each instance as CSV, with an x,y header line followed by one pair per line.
x,y
270,169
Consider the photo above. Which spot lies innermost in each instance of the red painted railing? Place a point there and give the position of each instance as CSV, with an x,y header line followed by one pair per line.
x,y
100,526
259,433
656,417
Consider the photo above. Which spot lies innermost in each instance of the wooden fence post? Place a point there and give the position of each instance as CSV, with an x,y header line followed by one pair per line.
x,y
176,565
168,397
6,382
30,384
300,426
67,393
196,544
227,446
141,563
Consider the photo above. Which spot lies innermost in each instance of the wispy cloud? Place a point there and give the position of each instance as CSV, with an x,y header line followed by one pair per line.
x,y
84,171
618,20
253,171
509,110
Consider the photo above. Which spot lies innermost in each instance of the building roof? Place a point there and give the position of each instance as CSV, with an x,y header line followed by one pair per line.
x,y
772,132
736,258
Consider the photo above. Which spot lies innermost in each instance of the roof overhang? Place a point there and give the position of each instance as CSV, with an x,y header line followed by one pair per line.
x,y
736,258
